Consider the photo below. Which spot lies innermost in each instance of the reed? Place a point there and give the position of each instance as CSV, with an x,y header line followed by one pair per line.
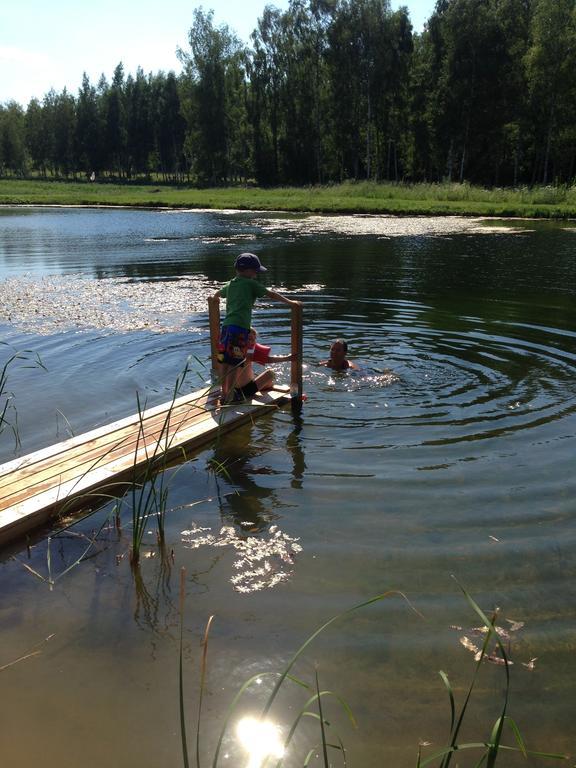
x,y
329,740
183,737
285,675
31,653
491,747
146,486
52,578
149,488
203,668
25,358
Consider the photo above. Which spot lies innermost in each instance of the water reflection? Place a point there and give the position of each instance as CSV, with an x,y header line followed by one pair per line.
x,y
244,492
260,739
264,554
295,447
246,502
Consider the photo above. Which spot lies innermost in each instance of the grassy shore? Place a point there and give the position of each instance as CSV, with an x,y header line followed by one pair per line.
x,y
362,197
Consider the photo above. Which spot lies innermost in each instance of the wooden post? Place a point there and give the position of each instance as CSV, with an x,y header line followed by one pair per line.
x,y
296,363
214,318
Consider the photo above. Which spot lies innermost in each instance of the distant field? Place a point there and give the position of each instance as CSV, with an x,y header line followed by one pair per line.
x,y
362,197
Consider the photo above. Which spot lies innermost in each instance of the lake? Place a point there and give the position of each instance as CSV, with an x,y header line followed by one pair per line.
x,y
449,453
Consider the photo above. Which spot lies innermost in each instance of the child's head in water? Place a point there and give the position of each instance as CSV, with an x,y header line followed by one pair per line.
x,y
338,360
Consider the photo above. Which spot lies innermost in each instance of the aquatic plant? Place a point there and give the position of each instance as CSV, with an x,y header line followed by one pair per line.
x,y
149,486
34,651
146,485
52,578
25,358
262,729
490,748
281,678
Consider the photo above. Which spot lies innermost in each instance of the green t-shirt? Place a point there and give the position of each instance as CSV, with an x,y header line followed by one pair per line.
x,y
240,294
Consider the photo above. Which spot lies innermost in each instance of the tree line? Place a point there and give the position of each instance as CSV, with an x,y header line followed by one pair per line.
x,y
327,90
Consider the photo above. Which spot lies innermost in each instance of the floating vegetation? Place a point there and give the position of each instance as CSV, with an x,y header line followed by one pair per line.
x,y
56,303
261,562
384,225
491,747
493,653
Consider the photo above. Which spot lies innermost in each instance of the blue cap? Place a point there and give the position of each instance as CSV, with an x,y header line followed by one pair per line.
x,y
249,261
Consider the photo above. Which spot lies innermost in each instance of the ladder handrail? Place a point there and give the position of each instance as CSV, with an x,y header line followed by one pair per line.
x,y
295,341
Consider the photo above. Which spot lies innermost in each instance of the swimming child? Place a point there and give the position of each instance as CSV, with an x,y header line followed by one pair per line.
x,y
337,360
240,294
247,384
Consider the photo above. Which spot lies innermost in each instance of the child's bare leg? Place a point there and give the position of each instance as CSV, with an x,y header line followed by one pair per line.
x,y
229,376
265,381
225,371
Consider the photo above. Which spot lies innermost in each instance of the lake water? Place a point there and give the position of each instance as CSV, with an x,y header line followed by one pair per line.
x,y
451,452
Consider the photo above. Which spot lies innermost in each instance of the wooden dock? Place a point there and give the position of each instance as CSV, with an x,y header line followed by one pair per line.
x,y
82,471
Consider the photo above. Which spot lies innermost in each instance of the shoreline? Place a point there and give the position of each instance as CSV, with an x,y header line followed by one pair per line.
x,y
360,213
359,199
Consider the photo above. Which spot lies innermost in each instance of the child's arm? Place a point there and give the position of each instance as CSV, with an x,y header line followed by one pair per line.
x,y
280,297
280,358
216,295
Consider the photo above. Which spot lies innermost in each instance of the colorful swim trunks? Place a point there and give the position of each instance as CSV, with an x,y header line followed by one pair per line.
x,y
233,344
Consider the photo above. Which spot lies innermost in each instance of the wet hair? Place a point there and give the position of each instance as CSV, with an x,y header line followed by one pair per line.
x,y
344,344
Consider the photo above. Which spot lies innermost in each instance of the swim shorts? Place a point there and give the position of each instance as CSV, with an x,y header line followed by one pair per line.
x,y
233,344
246,392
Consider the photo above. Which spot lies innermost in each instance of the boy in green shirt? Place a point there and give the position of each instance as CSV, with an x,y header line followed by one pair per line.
x,y
240,294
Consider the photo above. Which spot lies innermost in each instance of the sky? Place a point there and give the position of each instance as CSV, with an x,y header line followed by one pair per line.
x,y
47,44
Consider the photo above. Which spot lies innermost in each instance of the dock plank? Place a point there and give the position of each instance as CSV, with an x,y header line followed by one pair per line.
x,y
99,450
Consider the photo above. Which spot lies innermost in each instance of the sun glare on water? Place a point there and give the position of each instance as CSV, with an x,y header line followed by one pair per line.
x,y
260,739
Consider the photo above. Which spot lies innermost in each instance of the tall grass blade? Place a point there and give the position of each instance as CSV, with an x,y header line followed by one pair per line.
x,y
517,735
482,760
49,561
533,753
84,554
203,668
308,757
30,569
446,682
232,708
486,745
180,672
499,725
31,653
285,674
322,727
321,629
304,712
453,743
25,356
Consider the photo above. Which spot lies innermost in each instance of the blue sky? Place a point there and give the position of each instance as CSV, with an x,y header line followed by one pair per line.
x,y
44,44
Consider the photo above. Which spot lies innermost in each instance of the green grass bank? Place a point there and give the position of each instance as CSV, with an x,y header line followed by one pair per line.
x,y
362,197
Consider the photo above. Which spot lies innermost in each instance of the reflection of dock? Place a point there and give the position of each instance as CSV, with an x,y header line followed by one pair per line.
x,y
84,470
